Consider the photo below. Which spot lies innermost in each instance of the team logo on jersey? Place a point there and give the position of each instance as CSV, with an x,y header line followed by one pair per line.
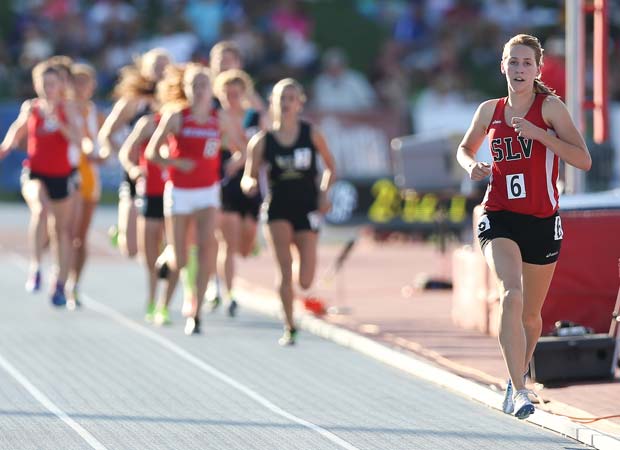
x,y
503,149
50,124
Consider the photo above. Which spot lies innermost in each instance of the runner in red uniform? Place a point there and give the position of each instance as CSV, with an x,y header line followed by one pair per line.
x,y
45,180
520,231
194,132
150,181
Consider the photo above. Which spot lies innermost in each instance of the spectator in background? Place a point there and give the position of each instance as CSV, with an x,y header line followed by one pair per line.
x,y
508,14
114,17
339,88
389,78
174,37
36,48
291,22
205,17
411,28
553,71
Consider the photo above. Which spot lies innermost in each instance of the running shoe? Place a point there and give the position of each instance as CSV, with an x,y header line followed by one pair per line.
x,y
214,303
73,301
150,313
232,307
33,283
162,316
58,297
522,405
288,338
508,405
113,235
192,326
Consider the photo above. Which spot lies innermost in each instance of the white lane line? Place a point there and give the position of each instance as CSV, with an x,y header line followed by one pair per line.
x,y
111,313
50,405
22,263
184,354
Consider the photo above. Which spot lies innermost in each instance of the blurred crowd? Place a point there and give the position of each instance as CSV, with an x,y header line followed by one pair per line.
x,y
407,51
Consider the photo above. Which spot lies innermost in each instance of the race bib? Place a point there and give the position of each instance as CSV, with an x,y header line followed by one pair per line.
x,y
515,184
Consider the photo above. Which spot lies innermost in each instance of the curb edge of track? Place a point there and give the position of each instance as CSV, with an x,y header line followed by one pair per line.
x,y
264,302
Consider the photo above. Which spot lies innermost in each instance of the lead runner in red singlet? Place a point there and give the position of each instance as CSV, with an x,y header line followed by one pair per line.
x,y
46,186
520,231
194,130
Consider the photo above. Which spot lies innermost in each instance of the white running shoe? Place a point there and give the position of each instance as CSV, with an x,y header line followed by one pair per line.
x,y
522,405
508,405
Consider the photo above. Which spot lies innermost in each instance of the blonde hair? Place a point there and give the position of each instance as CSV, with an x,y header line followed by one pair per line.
x,y
279,87
61,62
533,43
218,50
171,89
131,83
42,69
147,60
224,46
84,69
232,76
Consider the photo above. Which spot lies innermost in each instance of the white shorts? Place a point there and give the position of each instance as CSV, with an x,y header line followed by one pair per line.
x,y
188,200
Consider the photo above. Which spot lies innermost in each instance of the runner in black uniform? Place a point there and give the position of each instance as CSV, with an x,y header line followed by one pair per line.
x,y
239,213
225,56
296,203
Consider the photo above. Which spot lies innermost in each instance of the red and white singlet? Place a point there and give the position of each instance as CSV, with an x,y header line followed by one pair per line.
x,y
524,172
48,148
200,142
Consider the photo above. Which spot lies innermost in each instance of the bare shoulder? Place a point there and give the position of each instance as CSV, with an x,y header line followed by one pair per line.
x,y
553,103
26,107
487,108
484,113
553,108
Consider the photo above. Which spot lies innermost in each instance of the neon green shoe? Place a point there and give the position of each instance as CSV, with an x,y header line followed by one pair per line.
x,y
113,235
150,313
162,316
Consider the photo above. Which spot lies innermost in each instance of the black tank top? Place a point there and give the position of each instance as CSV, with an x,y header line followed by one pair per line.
x,y
292,171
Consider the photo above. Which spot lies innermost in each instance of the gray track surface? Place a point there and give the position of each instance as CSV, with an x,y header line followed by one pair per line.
x,y
129,385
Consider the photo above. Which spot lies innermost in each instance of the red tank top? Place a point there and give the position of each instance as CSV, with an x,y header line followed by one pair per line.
x,y
524,172
48,148
155,177
201,143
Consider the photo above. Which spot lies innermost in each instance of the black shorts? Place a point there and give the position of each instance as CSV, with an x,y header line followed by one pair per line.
x,y
539,239
58,188
302,219
127,188
235,201
151,206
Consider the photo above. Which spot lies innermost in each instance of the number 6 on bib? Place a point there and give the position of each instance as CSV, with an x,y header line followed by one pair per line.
x,y
515,184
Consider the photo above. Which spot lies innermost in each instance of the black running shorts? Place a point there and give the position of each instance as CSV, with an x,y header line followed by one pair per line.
x,y
539,239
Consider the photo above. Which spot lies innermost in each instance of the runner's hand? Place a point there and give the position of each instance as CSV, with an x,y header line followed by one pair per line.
x,y
479,170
